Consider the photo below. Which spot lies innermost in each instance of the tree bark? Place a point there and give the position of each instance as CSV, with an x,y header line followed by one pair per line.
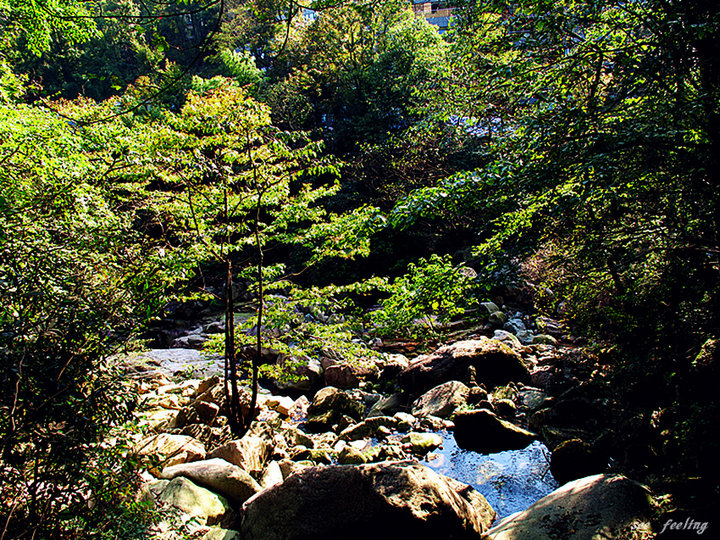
x,y
233,399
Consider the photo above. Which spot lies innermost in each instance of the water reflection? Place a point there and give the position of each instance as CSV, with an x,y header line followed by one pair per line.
x,y
510,481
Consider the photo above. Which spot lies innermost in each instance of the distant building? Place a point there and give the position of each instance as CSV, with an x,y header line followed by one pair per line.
x,y
436,13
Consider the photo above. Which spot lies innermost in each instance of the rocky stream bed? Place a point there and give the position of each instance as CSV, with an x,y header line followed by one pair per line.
x,y
468,441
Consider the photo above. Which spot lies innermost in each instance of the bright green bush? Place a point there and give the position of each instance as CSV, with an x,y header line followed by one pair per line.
x,y
432,292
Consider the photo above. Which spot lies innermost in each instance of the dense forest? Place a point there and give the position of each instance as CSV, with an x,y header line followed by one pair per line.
x,y
354,178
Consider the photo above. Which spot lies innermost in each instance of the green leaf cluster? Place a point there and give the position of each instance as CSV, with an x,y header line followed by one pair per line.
x,y
432,292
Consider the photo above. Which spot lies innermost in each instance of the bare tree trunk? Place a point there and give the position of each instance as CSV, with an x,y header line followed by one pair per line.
x,y
233,403
261,300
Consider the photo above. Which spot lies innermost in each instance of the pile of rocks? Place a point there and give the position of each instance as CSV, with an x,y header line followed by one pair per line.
x,y
344,462
213,479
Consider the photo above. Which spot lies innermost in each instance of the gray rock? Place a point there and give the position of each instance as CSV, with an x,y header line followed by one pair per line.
x,y
531,398
442,400
205,385
421,443
289,467
322,456
544,339
434,423
215,327
192,341
543,376
384,500
350,374
477,395
300,453
329,405
171,449
507,337
495,363
296,437
406,421
482,431
371,398
368,428
218,475
525,337
197,501
488,308
595,507
351,456
281,404
155,487
514,326
249,453
344,423
549,326
498,318
271,475
387,406
207,411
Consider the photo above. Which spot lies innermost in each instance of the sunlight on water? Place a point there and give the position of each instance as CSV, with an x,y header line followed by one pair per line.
x,y
510,481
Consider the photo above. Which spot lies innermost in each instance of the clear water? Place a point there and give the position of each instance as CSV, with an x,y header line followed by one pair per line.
x,y
510,481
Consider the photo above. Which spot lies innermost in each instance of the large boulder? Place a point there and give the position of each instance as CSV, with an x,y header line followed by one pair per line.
x,y
171,449
575,459
350,374
218,475
249,453
488,308
494,362
482,431
442,400
329,405
385,500
390,366
600,506
206,506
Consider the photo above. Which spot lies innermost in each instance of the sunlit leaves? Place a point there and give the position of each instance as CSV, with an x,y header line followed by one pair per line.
x,y
432,292
37,20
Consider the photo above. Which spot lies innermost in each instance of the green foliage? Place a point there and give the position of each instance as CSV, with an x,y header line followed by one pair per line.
x,y
241,66
431,293
113,485
576,141
233,175
600,127
305,322
340,236
356,68
35,23
75,278
11,85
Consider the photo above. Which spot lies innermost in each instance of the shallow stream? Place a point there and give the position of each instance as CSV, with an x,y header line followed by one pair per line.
x,y
510,481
